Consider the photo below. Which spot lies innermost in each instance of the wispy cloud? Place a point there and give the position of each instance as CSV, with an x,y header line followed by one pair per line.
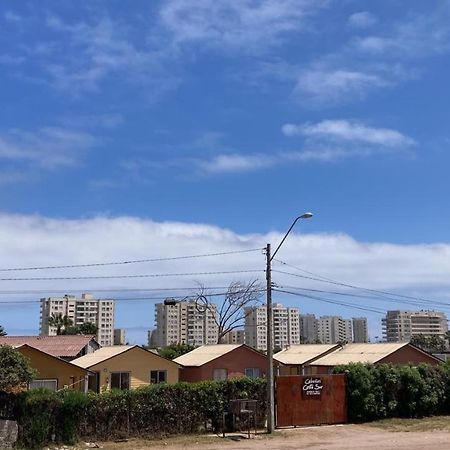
x,y
344,130
319,86
100,51
46,147
232,163
363,19
240,24
416,36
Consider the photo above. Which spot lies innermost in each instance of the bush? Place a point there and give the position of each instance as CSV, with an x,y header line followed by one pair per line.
x,y
385,390
155,410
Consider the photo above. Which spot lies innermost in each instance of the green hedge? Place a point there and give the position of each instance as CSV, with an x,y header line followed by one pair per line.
x,y
384,390
156,410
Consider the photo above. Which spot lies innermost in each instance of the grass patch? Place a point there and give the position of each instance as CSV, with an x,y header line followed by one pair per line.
x,y
440,423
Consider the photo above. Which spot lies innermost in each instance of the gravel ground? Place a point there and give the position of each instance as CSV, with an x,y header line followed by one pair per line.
x,y
326,437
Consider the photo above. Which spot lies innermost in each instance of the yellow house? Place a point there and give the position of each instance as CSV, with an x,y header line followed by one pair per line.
x,y
126,367
52,372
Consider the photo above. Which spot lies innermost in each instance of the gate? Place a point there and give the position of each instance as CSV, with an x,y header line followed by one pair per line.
x,y
310,400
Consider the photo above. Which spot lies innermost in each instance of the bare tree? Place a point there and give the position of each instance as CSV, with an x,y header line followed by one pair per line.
x,y
231,313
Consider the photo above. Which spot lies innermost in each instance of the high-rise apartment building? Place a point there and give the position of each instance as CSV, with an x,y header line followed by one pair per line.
x,y
234,337
360,330
80,310
334,329
119,336
401,326
182,322
308,329
286,326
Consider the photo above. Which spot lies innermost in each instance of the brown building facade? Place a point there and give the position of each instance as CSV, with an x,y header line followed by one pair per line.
x,y
222,362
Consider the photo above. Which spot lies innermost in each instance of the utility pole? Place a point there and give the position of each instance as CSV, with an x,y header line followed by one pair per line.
x,y
269,335
270,381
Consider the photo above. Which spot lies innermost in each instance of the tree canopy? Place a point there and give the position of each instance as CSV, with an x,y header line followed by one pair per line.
x,y
2,331
175,350
15,369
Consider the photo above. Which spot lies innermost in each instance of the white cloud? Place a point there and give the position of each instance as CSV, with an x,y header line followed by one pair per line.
x,y
363,19
231,163
46,147
348,131
100,51
420,270
241,24
416,36
328,85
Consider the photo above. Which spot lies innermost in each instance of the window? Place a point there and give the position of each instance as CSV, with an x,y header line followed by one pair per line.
x,y
158,376
253,372
51,385
219,374
120,380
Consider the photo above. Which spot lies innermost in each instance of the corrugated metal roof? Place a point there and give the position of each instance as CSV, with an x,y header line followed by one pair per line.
x,y
363,353
205,354
65,346
302,353
100,355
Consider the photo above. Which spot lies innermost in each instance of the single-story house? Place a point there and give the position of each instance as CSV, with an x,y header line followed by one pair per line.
x,y
296,358
221,362
126,367
66,347
394,353
52,372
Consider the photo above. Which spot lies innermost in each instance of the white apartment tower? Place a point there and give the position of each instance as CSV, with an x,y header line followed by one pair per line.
x,y
334,329
401,326
181,322
360,330
308,328
80,310
234,337
286,326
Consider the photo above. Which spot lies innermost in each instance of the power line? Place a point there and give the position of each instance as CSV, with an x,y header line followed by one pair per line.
x,y
387,299
321,299
131,299
382,294
66,291
111,277
136,261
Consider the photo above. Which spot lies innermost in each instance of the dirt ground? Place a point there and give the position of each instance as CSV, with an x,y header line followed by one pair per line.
x,y
390,434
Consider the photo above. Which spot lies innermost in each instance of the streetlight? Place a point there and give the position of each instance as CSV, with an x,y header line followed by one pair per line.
x,y
270,383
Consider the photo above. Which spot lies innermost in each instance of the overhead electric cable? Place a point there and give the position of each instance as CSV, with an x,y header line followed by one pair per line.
x,y
321,299
136,261
338,283
111,277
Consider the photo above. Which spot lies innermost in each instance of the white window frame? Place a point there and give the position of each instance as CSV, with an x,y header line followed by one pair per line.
x,y
32,385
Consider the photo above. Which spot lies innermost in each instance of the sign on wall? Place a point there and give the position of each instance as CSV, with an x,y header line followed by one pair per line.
x,y
312,387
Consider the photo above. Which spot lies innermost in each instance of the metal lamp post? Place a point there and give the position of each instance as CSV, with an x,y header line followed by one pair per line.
x,y
270,381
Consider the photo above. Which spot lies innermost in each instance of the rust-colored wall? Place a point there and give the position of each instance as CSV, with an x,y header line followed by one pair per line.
x,y
409,355
293,408
235,362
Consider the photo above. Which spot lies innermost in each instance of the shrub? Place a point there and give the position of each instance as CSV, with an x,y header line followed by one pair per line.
x,y
155,410
385,390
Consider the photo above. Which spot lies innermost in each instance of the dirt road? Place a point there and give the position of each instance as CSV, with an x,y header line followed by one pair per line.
x,y
317,438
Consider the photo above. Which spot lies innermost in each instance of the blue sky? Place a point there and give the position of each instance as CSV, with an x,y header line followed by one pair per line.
x,y
236,115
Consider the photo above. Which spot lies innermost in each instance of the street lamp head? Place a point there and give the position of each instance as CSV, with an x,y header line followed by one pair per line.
x,y
307,215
